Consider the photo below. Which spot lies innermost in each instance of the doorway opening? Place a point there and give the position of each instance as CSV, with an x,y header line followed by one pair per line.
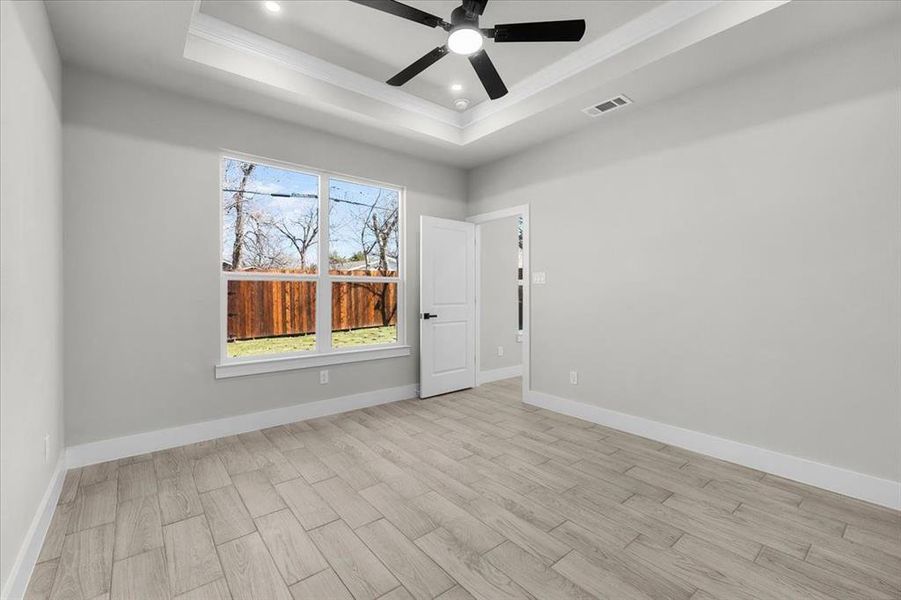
x,y
502,339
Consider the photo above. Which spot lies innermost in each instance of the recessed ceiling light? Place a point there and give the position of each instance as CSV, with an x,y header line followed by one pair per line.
x,y
272,7
456,87
461,103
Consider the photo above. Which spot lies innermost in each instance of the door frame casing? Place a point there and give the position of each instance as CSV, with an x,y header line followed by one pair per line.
x,y
521,210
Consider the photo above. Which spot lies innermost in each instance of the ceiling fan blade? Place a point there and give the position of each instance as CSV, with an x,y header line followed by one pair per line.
x,y
542,31
419,66
493,83
399,9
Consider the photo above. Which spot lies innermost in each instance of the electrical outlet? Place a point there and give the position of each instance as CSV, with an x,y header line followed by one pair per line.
x,y
574,377
323,376
500,350
46,448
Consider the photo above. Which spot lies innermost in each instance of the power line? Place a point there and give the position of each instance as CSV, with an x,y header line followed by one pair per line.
x,y
273,194
299,195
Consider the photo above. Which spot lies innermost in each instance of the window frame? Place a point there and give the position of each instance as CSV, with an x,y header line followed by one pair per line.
x,y
323,353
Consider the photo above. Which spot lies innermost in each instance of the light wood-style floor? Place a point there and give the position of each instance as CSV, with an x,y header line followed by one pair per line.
x,y
470,495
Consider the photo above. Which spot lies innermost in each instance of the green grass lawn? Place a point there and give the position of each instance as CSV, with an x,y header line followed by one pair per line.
x,y
340,339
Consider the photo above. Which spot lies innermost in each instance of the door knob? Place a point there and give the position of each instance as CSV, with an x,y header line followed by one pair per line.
x,y
429,316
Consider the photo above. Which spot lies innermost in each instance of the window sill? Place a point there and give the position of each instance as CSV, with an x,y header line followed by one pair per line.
x,y
289,363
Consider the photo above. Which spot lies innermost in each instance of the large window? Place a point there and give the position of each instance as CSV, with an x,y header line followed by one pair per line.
x,y
281,226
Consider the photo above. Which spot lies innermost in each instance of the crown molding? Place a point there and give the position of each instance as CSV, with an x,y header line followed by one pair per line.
x,y
645,26
236,38
718,16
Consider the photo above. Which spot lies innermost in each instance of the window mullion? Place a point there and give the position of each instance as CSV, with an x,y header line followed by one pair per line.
x,y
266,276
324,287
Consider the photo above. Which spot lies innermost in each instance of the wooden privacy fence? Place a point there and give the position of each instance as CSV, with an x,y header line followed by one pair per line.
x,y
259,309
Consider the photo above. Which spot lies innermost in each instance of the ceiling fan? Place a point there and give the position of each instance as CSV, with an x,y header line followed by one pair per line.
x,y
465,37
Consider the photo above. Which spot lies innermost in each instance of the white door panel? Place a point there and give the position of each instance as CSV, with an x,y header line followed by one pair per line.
x,y
449,347
447,306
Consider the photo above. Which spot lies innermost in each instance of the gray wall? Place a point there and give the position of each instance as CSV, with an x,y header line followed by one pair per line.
x,y
30,269
141,172
498,303
743,254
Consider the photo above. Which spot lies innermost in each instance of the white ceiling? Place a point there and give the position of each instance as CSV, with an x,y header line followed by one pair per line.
x,y
233,52
379,45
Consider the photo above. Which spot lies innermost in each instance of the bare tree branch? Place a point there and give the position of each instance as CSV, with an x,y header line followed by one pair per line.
x,y
302,232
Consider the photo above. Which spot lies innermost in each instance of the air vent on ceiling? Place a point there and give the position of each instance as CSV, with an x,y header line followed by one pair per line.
x,y
602,108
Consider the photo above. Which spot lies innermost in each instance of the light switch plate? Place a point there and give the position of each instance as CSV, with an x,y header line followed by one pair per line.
x,y
539,278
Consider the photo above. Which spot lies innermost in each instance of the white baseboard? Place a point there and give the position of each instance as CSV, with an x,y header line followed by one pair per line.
x,y
140,443
498,374
843,481
15,584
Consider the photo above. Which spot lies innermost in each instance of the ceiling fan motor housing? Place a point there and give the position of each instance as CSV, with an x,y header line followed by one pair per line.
x,y
474,7
461,17
464,36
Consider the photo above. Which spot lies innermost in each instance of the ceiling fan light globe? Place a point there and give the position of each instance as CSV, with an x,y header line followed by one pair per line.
x,y
465,40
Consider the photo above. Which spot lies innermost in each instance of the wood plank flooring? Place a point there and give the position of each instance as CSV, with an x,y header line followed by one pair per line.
x,y
469,495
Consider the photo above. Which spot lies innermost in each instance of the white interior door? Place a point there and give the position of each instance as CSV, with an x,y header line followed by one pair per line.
x,y
446,306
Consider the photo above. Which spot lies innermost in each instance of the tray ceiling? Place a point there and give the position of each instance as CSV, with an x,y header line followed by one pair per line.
x,y
379,45
291,69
